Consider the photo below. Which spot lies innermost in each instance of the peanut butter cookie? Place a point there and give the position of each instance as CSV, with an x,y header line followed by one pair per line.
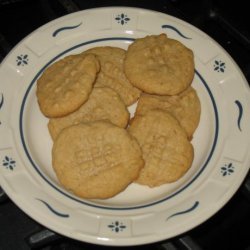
x,y
112,73
65,85
159,65
103,104
96,159
167,152
185,107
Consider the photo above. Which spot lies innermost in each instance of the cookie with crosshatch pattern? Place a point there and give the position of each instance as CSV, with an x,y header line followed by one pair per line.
x,y
167,152
65,85
96,159
185,107
159,65
112,73
103,104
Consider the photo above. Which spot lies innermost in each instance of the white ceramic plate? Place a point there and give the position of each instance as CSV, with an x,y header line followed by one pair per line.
x,y
139,215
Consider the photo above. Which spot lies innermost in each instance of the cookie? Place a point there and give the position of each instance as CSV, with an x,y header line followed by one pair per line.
x,y
185,107
112,74
103,104
159,65
65,85
96,160
167,152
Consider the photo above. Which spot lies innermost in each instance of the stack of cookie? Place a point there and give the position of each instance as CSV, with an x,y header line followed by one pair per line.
x,y
168,110
98,148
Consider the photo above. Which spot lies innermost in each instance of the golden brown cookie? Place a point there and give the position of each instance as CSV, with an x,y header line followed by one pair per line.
x,y
103,104
185,107
65,85
96,160
166,150
112,73
157,64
